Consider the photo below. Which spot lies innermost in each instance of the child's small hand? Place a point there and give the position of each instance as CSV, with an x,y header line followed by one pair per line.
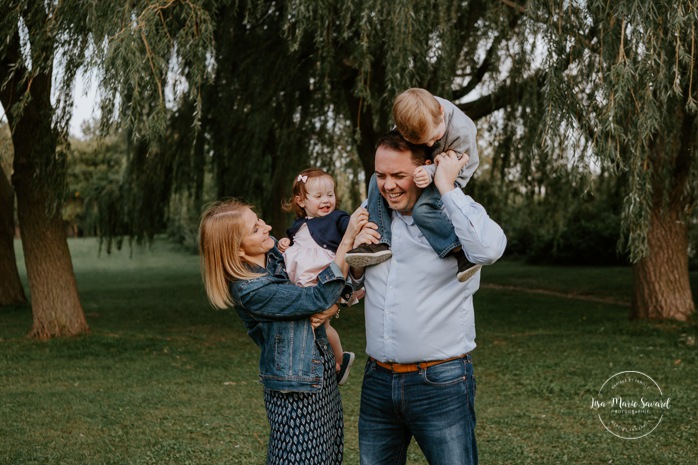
x,y
284,243
421,177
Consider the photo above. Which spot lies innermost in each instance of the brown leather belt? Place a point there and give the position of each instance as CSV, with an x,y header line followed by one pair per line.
x,y
413,367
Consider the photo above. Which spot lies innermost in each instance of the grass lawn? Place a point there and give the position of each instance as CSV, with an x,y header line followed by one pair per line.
x,y
165,379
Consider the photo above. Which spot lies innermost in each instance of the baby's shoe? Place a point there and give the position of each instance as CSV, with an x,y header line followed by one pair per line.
x,y
343,373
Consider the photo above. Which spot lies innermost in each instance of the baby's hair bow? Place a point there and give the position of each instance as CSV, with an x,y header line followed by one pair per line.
x,y
302,178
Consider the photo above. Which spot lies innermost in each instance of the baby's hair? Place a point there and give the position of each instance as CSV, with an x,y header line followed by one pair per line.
x,y
299,190
220,236
415,112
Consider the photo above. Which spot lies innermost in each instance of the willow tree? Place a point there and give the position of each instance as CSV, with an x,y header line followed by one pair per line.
x,y
262,110
299,82
624,74
560,85
132,46
652,94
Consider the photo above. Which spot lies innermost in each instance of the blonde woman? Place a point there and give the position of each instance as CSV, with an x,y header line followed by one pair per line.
x,y
243,268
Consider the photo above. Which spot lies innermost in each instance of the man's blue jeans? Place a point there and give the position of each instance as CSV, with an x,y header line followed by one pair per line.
x,y
435,405
428,216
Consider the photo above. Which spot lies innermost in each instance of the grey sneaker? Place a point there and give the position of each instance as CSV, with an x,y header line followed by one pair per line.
x,y
466,269
343,373
368,254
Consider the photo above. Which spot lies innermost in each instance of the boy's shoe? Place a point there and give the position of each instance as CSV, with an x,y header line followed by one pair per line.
x,y
343,373
466,269
368,254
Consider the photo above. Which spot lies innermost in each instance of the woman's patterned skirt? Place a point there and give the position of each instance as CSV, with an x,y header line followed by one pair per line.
x,y
307,428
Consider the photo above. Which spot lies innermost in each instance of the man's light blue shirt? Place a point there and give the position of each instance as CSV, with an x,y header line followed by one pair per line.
x,y
416,310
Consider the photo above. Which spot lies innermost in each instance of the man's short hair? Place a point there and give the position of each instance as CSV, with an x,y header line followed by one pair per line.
x,y
394,141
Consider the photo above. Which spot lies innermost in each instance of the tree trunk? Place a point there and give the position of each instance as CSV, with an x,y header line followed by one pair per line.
x,y
662,289
362,116
661,286
11,290
56,307
279,219
38,169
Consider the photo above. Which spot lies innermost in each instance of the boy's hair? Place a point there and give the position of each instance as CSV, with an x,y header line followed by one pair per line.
x,y
415,112
299,190
220,234
394,141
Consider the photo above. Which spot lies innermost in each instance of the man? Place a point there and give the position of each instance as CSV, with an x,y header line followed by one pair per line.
x,y
420,326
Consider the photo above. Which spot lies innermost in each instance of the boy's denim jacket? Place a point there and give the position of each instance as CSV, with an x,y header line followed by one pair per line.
x,y
277,316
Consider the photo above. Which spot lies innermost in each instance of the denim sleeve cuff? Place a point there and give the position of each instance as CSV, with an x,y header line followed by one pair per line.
x,y
347,292
330,273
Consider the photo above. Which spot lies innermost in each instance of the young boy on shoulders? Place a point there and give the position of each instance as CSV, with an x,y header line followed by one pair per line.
x,y
423,118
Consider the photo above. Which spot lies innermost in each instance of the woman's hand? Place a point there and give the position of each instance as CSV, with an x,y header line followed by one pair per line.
x,y
320,318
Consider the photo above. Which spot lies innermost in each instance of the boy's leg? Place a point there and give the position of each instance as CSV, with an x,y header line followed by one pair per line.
x,y
343,360
433,222
438,231
378,213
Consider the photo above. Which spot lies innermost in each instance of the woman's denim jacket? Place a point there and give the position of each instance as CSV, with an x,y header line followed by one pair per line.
x,y
277,316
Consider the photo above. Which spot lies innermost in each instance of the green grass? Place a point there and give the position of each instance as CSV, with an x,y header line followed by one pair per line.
x,y
165,379
613,282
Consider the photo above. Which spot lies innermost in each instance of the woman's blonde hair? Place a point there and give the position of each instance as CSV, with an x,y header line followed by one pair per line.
x,y
299,190
220,234
415,112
